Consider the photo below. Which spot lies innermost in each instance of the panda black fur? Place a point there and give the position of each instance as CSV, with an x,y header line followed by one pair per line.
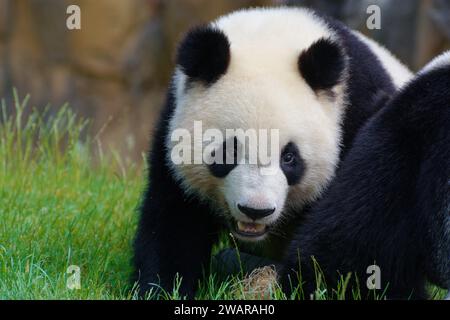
x,y
389,204
289,69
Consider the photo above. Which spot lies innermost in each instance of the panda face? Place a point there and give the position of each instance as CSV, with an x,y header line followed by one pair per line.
x,y
250,72
256,199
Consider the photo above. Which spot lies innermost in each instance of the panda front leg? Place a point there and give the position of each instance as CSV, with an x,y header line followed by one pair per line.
x,y
389,204
174,237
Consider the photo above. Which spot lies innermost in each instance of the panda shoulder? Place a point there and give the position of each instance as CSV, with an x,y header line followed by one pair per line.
x,y
441,61
399,73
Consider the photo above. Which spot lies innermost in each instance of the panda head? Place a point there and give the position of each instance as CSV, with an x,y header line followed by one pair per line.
x,y
277,74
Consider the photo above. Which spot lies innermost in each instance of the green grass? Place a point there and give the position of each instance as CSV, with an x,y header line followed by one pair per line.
x,y
58,209
60,206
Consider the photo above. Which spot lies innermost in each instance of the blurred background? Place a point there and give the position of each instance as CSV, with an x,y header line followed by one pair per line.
x,y
115,70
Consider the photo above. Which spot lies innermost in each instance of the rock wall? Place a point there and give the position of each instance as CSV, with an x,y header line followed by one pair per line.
x,y
114,70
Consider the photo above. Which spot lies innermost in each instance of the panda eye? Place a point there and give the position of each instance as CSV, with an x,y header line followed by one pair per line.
x,y
288,158
291,163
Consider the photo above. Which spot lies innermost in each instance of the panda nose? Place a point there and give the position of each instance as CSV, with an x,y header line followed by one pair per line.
x,y
255,214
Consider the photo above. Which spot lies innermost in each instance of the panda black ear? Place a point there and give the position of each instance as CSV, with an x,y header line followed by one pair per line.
x,y
323,64
204,54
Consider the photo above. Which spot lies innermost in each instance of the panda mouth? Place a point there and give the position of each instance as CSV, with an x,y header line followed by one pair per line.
x,y
250,229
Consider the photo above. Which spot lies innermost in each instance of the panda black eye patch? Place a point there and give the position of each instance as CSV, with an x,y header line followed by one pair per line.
x,y
222,169
291,163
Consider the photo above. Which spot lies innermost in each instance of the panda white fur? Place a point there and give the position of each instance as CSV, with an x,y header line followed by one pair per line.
x,y
290,69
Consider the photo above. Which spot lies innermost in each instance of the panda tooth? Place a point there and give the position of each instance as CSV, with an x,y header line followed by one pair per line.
x,y
259,227
241,226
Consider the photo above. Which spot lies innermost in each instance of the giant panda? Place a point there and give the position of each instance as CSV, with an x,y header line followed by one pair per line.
x,y
388,208
287,69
